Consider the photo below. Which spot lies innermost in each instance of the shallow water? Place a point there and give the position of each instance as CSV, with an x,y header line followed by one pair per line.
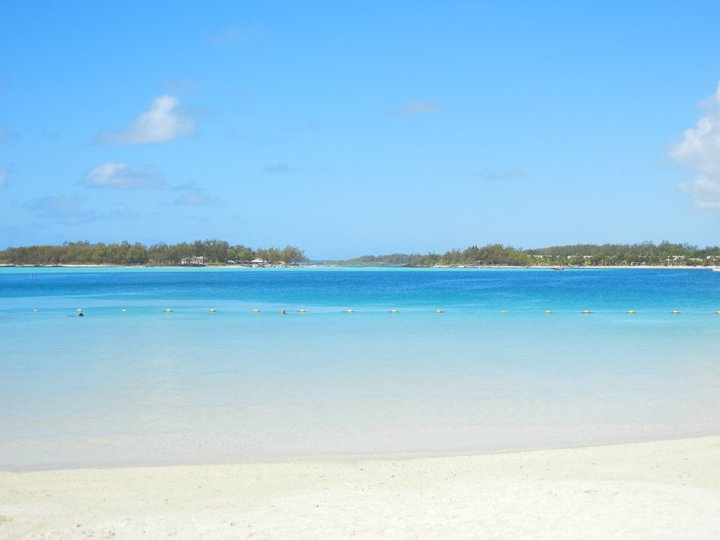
x,y
149,387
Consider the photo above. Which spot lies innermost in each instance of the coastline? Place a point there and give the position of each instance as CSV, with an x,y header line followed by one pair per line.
x,y
662,489
366,266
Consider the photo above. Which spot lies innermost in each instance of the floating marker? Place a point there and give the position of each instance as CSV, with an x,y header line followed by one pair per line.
x,y
348,311
503,311
212,310
35,310
438,311
548,311
586,311
631,311
393,311
79,310
675,311
168,310
124,310
301,311
256,310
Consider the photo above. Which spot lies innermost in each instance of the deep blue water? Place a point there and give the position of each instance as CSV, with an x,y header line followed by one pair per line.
x,y
492,371
523,290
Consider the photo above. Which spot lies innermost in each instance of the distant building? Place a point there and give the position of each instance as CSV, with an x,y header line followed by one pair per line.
x,y
258,262
193,261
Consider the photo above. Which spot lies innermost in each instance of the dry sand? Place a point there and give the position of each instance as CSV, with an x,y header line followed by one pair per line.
x,y
657,490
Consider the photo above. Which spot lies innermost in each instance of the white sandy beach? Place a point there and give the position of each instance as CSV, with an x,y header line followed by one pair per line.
x,y
656,490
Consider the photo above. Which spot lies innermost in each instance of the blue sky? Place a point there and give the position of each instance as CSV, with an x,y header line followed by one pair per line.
x,y
348,128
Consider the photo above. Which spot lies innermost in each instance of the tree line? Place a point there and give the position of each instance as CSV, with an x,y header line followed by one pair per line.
x,y
125,253
221,252
642,254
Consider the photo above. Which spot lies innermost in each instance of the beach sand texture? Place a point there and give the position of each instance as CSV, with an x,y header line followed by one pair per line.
x,y
655,490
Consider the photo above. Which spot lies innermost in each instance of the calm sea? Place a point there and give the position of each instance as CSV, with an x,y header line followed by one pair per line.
x,y
130,383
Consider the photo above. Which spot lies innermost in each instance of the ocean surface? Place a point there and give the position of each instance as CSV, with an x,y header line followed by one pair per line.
x,y
130,383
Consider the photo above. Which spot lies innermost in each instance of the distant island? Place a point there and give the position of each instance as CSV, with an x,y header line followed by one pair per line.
x,y
198,253
219,252
577,255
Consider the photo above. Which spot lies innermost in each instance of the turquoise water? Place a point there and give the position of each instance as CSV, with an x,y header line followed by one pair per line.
x,y
145,386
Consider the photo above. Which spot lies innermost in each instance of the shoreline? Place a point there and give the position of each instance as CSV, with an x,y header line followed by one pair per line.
x,y
339,458
661,489
367,266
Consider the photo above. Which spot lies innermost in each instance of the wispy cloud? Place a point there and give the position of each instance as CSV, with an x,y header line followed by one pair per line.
x,y
233,134
492,176
198,198
194,195
234,35
278,168
189,186
4,174
122,176
700,151
162,123
50,134
414,107
181,86
8,136
66,211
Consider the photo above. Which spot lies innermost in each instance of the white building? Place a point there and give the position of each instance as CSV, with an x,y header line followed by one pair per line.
x,y
193,261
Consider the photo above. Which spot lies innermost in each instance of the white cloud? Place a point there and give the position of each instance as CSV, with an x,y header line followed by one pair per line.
x,y
414,107
700,151
3,177
162,123
122,176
